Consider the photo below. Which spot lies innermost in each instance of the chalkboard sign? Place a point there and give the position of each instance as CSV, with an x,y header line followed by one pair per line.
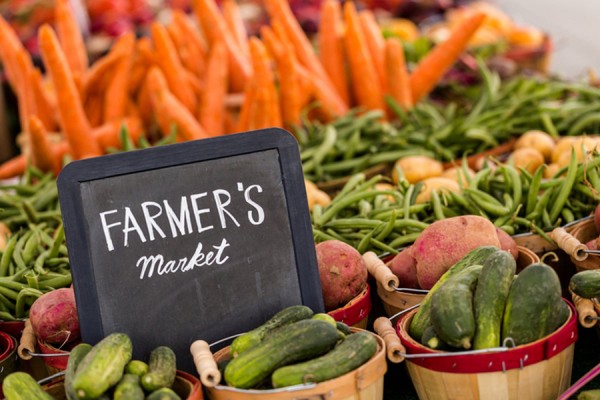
x,y
197,240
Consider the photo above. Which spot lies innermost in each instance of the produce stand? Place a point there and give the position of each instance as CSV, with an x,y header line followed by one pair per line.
x,y
250,200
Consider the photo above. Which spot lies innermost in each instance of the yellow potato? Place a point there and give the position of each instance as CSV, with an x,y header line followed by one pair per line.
x,y
527,158
455,172
583,145
551,170
563,144
417,168
438,184
538,140
315,195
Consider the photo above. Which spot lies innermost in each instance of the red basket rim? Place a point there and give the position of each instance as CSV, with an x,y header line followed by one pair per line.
x,y
58,362
8,345
356,310
517,357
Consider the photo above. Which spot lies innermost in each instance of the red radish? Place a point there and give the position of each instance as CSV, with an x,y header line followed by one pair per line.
x,y
53,317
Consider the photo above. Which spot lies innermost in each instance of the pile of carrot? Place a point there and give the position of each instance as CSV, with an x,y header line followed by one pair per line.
x,y
182,77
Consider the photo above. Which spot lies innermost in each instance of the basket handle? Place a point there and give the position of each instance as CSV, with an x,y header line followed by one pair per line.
x,y
27,342
585,310
380,271
569,243
207,368
394,349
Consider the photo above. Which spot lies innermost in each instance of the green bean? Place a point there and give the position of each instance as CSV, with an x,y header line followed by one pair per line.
x,y
382,246
6,258
9,293
335,234
336,206
534,228
30,248
8,304
487,203
534,189
324,148
32,280
18,252
322,236
57,261
58,240
11,284
404,239
509,229
21,298
364,243
388,228
567,215
584,121
38,265
6,316
565,189
549,125
541,204
56,283
437,205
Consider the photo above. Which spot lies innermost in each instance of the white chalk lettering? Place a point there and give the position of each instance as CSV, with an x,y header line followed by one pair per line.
x,y
106,227
131,225
198,211
221,207
183,223
260,217
150,219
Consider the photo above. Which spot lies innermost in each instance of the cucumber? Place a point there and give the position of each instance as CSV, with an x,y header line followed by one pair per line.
x,y
298,341
452,314
163,394
432,340
103,366
162,369
129,388
491,292
75,356
136,367
342,327
325,317
350,354
533,299
422,318
286,316
586,284
558,318
22,386
592,394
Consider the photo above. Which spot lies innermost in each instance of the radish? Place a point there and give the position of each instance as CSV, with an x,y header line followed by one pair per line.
x,y
53,316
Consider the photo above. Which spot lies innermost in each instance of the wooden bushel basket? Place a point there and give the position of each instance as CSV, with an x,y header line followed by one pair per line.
x,y
535,371
356,312
395,301
363,383
573,245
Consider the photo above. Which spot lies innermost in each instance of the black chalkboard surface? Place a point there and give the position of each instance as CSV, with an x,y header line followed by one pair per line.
x,y
196,240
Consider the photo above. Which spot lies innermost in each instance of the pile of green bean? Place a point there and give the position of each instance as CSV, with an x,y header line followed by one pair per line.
x,y
34,259
478,118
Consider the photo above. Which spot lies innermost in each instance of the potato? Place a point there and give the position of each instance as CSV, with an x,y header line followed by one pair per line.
x,y
404,266
551,170
314,195
527,158
343,272
457,174
438,184
446,241
539,140
507,243
416,168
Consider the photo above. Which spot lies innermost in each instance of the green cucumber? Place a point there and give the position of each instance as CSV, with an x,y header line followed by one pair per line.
x,y
355,350
557,319
592,394
286,316
342,327
325,317
534,297
22,386
422,318
490,297
129,388
432,340
75,356
103,366
162,369
163,394
136,367
297,341
452,314
586,284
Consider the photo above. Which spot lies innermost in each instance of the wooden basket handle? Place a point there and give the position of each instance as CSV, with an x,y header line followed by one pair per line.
x,y
569,243
586,312
27,342
207,368
380,271
383,327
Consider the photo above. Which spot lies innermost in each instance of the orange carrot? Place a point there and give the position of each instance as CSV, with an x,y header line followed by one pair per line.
x,y
117,91
305,85
73,121
26,96
211,113
440,59
196,43
266,82
249,96
70,37
375,43
397,73
365,83
330,105
10,45
108,135
94,111
171,110
13,167
260,117
233,19
45,103
144,103
193,63
215,29
170,64
331,47
42,153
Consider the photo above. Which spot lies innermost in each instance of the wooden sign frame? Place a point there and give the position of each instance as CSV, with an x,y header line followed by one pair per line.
x,y
73,185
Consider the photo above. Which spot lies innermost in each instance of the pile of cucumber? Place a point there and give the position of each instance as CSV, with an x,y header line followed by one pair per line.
x,y
295,347
480,303
105,371
586,284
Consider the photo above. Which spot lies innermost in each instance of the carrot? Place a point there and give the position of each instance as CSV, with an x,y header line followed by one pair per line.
x,y
305,85
331,47
249,96
171,110
70,37
144,103
170,64
233,19
215,29
94,109
117,91
397,73
330,105
26,96
45,102
211,113
13,167
108,135
193,63
432,67
196,43
260,118
73,121
9,47
375,43
42,153
266,84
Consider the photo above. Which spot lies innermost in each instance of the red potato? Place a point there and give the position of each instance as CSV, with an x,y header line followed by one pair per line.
x,y
404,266
53,317
593,244
507,243
343,272
445,242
